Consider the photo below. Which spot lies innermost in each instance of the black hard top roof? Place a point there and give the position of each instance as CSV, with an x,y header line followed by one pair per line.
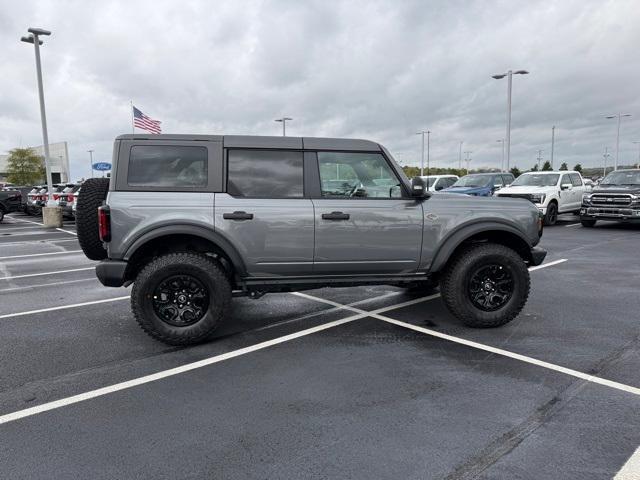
x,y
255,141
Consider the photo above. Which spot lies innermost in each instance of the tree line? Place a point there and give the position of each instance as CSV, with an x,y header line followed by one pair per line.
x,y
25,167
546,167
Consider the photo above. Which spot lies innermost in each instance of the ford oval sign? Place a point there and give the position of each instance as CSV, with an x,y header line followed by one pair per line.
x,y
102,166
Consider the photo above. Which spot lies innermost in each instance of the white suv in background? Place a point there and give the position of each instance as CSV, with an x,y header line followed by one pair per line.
x,y
552,192
435,183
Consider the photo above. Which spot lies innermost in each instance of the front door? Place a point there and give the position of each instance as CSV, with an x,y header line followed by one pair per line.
x,y
365,222
264,213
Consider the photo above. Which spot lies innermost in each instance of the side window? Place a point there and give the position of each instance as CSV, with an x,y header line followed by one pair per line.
x,y
575,179
265,174
497,181
508,179
357,175
566,179
450,181
167,166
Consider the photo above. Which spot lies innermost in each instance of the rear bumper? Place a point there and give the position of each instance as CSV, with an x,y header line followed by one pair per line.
x,y
111,273
537,255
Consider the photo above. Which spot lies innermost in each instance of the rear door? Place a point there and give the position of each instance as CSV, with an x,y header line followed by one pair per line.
x,y
365,221
264,212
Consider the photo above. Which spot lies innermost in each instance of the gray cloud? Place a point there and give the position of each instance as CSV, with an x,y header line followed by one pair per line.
x,y
379,70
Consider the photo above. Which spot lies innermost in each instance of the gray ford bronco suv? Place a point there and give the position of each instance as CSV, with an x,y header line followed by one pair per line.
x,y
193,220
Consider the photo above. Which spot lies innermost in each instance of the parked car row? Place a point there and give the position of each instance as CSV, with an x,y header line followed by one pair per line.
x,y
616,197
33,198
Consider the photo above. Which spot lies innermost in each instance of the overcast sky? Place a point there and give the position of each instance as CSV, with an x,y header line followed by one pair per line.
x,y
363,69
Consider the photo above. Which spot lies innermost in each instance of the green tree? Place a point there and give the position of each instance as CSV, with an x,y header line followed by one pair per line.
x,y
564,167
535,168
515,171
578,168
547,166
25,167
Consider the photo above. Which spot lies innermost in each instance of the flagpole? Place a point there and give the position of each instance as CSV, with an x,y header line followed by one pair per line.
x,y
133,128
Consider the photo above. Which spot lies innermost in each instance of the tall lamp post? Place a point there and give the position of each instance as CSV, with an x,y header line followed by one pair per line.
x,y
509,76
539,158
34,38
553,141
283,120
502,161
468,159
422,132
618,116
638,143
90,162
460,156
605,157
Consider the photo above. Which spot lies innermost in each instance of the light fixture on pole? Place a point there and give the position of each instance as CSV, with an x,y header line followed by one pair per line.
x,y
502,161
90,162
618,116
34,39
283,120
509,75
637,143
553,141
468,159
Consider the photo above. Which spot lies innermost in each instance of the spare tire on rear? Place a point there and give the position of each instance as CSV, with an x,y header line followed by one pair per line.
x,y
92,194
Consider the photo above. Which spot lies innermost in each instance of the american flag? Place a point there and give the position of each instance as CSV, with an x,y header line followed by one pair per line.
x,y
143,122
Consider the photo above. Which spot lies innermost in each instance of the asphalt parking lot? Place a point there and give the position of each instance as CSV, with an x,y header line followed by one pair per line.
x,y
368,382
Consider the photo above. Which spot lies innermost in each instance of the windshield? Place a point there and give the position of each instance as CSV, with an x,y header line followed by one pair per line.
x,y
622,178
536,180
474,181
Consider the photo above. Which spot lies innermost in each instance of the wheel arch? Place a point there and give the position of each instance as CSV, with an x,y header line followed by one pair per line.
x,y
184,237
492,232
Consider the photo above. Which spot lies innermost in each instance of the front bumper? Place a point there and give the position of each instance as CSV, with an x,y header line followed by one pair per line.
x,y
111,273
537,255
618,214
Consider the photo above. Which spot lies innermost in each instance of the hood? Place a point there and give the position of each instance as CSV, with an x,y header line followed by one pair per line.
x,y
616,189
467,190
526,189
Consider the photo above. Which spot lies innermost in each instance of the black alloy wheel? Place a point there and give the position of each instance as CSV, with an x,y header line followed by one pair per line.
x,y
490,287
180,300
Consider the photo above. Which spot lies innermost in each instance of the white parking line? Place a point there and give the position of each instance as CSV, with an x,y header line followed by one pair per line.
x,y
30,287
67,231
27,221
63,307
631,469
545,265
573,225
47,273
45,407
40,254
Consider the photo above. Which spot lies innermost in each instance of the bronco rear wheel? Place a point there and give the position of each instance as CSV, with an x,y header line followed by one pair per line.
x,y
92,194
486,285
180,298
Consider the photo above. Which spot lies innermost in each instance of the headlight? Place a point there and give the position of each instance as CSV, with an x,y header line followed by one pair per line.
x,y
538,198
586,198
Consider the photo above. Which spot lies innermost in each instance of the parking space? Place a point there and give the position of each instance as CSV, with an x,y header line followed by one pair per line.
x,y
367,382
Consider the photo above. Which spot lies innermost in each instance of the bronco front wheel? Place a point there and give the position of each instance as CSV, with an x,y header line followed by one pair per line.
x,y
486,285
180,298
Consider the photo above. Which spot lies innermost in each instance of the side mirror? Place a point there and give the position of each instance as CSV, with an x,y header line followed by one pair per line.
x,y
418,188
566,186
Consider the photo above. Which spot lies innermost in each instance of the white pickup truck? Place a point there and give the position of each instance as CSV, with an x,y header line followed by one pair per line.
x,y
551,192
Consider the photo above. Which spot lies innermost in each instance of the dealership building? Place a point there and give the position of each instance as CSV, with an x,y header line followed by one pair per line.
x,y
59,162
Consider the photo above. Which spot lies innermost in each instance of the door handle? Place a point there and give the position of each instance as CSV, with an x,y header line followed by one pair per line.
x,y
335,216
238,216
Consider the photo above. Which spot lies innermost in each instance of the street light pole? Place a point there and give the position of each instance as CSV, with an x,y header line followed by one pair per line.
x,y
605,156
421,132
618,116
638,143
34,38
539,158
283,120
468,160
502,161
509,76
460,156
90,162
428,148
553,140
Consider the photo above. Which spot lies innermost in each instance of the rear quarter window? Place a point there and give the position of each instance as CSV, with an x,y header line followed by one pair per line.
x,y
167,166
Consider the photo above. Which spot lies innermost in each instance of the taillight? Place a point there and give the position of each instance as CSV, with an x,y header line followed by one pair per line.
x,y
70,198
55,196
104,223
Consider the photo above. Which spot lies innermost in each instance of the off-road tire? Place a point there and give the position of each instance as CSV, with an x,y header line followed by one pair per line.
x,y
204,269
1,214
588,223
455,284
92,194
551,217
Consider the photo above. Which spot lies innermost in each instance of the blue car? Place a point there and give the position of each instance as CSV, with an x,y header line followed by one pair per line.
x,y
481,184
